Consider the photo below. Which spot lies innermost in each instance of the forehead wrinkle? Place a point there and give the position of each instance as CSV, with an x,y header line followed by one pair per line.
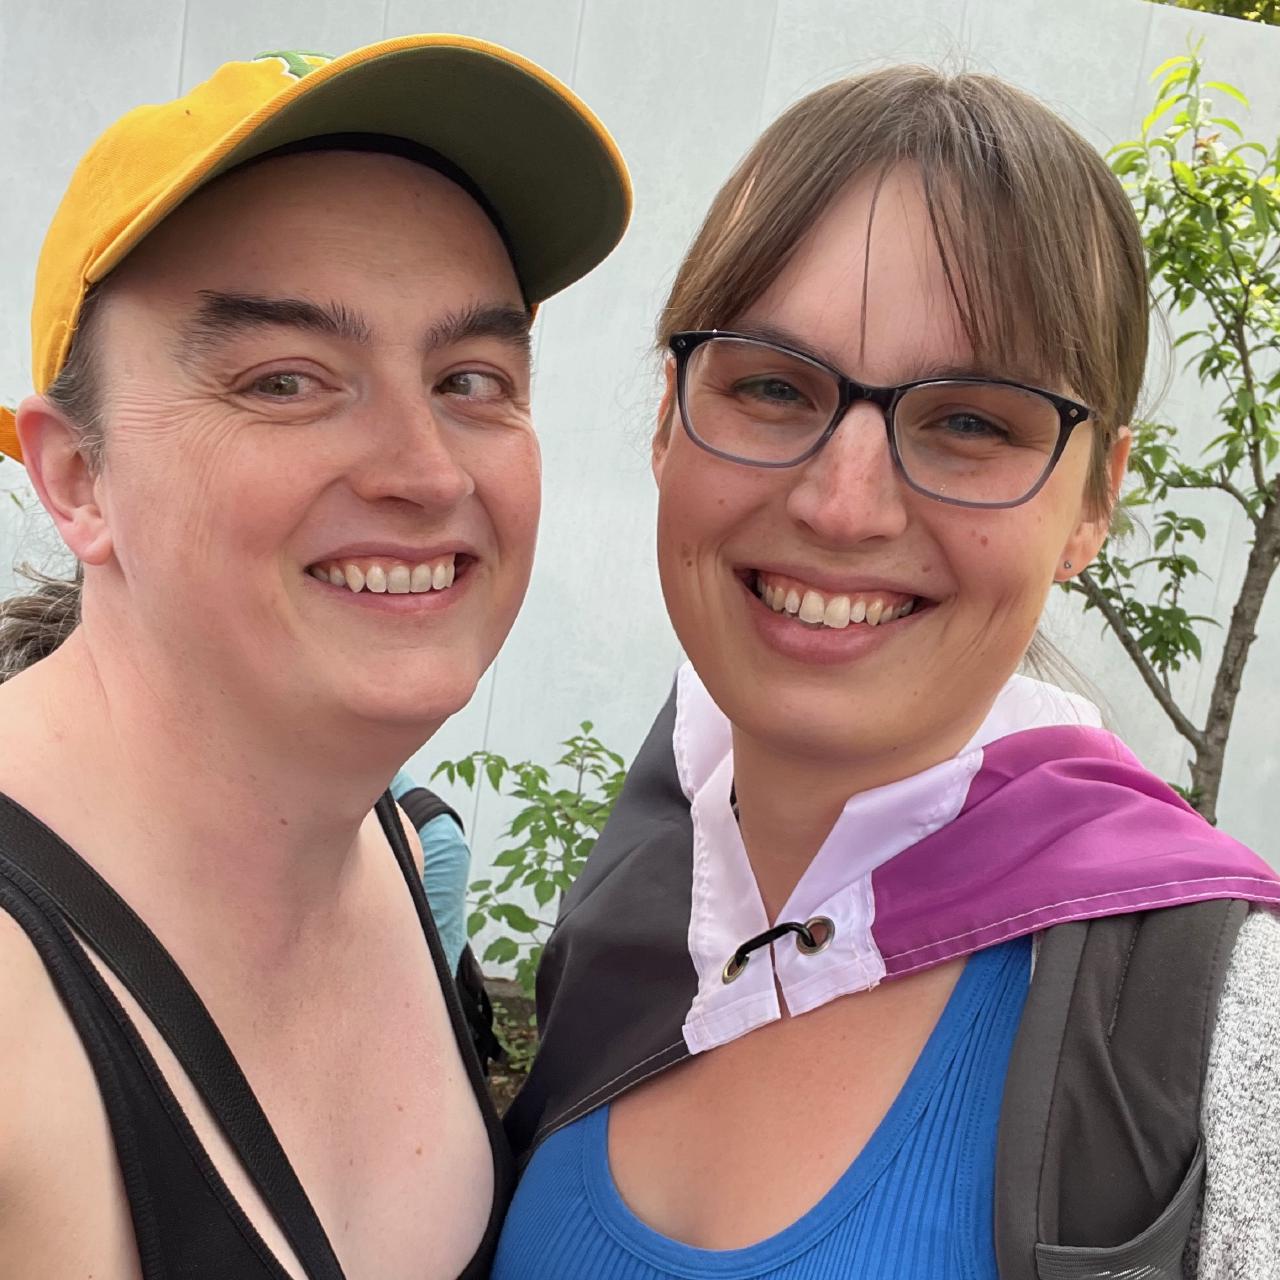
x,y
221,316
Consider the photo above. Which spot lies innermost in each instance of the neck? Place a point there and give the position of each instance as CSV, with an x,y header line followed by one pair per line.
x,y
789,802
212,819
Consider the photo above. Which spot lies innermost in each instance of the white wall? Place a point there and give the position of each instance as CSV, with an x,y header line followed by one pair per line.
x,y
685,86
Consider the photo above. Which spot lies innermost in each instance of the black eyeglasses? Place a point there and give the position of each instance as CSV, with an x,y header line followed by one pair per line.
x,y
974,442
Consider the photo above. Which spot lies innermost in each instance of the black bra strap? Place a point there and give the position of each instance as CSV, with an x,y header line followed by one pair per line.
x,y
136,957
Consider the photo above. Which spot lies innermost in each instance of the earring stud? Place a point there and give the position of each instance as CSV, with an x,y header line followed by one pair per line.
x,y
1066,564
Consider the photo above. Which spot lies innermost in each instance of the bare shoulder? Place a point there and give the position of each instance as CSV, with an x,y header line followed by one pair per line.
x,y
27,1000
29,1009
57,1158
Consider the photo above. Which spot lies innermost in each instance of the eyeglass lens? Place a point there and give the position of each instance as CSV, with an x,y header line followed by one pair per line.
x,y
966,441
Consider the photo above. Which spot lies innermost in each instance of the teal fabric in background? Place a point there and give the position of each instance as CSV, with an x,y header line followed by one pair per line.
x,y
446,868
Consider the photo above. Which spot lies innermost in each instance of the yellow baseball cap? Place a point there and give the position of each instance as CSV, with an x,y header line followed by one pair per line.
x,y
551,175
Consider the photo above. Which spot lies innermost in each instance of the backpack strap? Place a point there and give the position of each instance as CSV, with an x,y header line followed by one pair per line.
x,y
422,805
1099,1166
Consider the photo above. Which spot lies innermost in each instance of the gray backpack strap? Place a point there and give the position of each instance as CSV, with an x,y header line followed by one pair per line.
x,y
1099,1166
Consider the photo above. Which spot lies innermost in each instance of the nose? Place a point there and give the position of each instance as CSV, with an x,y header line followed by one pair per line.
x,y
409,455
849,491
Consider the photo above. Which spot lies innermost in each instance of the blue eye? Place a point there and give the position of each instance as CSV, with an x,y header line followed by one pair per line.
x,y
971,426
774,390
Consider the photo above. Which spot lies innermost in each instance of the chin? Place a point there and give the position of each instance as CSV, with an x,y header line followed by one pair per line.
x,y
398,700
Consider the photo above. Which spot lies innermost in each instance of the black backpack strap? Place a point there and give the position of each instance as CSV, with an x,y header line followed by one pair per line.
x,y
1099,1163
477,1008
422,805
135,956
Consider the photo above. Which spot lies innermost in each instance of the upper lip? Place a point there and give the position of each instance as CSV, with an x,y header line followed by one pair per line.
x,y
398,551
831,582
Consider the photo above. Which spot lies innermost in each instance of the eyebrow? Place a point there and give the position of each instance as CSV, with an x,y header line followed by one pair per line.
x,y
921,372
508,324
221,316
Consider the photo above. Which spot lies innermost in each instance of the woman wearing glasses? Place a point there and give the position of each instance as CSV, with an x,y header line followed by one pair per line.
x,y
790,1022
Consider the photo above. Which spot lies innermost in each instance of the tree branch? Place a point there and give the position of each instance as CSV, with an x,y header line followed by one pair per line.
x,y
1264,557
1097,597
1255,434
1227,487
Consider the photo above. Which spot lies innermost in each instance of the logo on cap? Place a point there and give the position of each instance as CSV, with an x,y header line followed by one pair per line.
x,y
297,62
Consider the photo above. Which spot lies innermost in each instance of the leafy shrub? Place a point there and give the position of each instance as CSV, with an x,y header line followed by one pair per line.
x,y
546,844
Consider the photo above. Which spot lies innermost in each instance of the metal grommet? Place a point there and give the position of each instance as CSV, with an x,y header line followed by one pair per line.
x,y
733,968
821,929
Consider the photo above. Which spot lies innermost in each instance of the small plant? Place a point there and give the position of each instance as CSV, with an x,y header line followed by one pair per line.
x,y
546,844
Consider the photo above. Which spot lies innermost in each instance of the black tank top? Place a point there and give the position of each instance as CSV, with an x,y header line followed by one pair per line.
x,y
185,1220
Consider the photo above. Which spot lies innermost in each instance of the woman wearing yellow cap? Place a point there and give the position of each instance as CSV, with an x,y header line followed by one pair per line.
x,y
281,337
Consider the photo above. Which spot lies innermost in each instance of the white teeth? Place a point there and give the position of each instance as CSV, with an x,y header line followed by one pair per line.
x,y
811,607
837,613
396,579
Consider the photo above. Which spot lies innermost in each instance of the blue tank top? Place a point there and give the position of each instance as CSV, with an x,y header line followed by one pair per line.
x,y
916,1204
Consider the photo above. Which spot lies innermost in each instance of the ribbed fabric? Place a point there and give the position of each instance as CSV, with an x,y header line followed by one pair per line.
x,y
916,1204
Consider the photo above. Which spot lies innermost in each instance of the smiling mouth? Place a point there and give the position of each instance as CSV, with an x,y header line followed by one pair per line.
x,y
385,574
809,607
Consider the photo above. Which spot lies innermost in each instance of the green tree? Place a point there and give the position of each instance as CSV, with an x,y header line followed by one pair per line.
x,y
1209,204
1250,10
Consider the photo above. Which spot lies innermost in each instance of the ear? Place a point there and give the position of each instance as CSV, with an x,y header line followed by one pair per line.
x,y
1088,536
63,479
666,421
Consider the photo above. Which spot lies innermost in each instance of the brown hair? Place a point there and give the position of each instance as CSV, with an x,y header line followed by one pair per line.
x,y
1037,239
33,625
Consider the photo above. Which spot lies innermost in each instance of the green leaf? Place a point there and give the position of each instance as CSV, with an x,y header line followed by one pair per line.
x,y
1178,60
475,922
501,951
494,770
515,917
1221,86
